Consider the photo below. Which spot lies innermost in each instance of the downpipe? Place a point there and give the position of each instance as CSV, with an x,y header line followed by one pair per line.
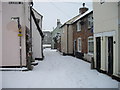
x,y
20,38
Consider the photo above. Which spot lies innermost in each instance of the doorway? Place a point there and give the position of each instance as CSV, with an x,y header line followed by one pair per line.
x,y
110,55
98,53
75,46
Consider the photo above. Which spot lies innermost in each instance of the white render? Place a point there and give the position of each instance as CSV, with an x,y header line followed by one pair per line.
x,y
0,32
67,39
106,19
36,37
10,39
0,42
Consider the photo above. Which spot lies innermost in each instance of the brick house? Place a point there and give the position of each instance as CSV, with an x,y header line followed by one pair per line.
x,y
77,35
83,35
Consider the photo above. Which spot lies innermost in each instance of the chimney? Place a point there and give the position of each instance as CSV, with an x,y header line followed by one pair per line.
x,y
58,22
83,9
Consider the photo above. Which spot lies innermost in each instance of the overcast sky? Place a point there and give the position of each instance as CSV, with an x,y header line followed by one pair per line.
x,y
52,11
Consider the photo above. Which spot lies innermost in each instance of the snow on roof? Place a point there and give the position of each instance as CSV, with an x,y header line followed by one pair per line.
x,y
71,20
37,12
74,19
81,16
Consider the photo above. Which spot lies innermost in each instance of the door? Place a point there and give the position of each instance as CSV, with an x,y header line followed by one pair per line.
x,y
98,53
110,55
75,46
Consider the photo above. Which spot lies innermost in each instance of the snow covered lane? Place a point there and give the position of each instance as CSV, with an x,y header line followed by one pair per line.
x,y
57,71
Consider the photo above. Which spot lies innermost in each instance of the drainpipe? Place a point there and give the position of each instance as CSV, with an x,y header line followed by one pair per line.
x,y
20,39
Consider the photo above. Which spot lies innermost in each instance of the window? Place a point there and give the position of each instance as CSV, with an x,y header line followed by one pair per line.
x,y
79,45
90,21
78,26
90,45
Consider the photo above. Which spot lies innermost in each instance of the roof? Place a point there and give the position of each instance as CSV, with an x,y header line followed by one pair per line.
x,y
58,27
37,12
76,18
71,20
83,15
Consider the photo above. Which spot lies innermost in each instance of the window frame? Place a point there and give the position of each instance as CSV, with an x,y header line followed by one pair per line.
x,y
78,49
88,44
78,26
90,21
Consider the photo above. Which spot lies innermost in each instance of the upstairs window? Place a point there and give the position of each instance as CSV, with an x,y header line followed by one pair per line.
x,y
90,21
78,26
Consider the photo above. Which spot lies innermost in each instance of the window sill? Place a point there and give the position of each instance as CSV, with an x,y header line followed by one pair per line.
x,y
90,54
78,30
89,27
79,51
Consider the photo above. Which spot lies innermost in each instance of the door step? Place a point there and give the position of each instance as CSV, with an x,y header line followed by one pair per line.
x,y
13,69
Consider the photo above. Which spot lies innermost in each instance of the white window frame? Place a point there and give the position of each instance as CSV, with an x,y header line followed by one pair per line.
x,y
88,44
78,49
90,21
78,26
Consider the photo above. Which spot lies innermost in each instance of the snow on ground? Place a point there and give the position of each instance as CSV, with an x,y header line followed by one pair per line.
x,y
57,71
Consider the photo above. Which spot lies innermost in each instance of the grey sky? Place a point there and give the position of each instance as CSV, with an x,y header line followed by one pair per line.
x,y
52,11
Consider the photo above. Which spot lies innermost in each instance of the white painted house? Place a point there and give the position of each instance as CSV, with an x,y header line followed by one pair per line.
x,y
37,40
17,34
0,31
107,37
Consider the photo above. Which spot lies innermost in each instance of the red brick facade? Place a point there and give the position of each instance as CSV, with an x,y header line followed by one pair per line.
x,y
83,34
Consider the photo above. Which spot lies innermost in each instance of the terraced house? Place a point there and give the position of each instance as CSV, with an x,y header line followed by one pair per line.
x,y
77,35
107,37
83,35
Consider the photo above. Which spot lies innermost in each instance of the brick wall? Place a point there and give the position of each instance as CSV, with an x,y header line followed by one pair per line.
x,y
84,34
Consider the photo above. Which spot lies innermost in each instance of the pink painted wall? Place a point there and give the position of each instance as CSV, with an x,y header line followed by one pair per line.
x,y
10,39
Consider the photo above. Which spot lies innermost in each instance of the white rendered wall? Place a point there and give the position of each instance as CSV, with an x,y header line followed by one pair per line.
x,y
0,43
11,53
105,25
36,38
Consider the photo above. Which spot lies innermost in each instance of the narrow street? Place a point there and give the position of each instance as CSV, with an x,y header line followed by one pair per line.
x,y
57,71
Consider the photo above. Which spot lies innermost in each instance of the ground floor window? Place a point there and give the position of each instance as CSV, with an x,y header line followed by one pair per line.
x,y
90,45
79,45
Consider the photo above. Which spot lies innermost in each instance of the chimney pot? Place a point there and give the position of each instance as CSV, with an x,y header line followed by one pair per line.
x,y
58,22
83,9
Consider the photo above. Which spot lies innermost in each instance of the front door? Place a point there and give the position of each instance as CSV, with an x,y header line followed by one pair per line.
x,y
75,46
110,55
98,53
